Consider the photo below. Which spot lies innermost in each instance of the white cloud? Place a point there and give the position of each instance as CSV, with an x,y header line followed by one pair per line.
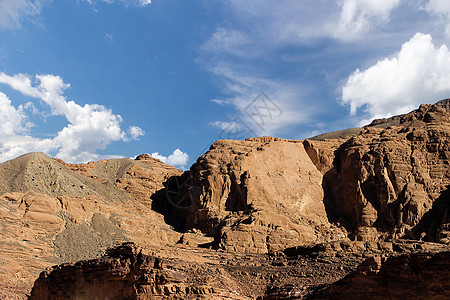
x,y
12,119
178,158
135,132
144,2
441,8
358,15
13,11
242,53
419,72
226,126
17,145
220,102
90,127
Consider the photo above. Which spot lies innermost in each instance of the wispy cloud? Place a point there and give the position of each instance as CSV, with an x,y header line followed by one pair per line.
x,y
238,52
141,3
358,16
109,36
440,8
247,52
12,12
265,106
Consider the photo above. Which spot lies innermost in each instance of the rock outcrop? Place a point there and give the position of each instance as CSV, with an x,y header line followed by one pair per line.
x,y
140,179
260,195
50,214
126,273
386,183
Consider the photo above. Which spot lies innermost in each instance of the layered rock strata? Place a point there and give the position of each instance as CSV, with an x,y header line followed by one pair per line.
x,y
50,214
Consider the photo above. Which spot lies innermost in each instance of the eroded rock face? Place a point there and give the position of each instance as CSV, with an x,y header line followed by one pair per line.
x,y
180,272
260,195
50,214
126,273
385,181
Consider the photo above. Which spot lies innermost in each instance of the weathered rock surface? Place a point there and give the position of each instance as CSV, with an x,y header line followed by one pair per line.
x,y
139,178
50,214
183,272
409,276
388,180
261,195
388,183
127,273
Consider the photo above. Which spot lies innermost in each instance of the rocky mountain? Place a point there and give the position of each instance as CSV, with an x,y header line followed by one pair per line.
x,y
265,217
266,194
54,213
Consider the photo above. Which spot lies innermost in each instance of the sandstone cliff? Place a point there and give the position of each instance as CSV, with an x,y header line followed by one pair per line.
x,y
261,195
389,183
126,273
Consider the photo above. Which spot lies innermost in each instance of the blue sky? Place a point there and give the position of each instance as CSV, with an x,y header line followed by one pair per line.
x,y
90,79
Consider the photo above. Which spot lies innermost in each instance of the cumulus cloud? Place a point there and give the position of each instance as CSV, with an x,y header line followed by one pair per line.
x,y
12,119
357,15
135,132
178,158
90,127
12,12
419,72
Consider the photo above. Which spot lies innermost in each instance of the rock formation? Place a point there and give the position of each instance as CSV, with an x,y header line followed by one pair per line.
x,y
126,273
50,214
409,276
386,180
261,195
265,217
